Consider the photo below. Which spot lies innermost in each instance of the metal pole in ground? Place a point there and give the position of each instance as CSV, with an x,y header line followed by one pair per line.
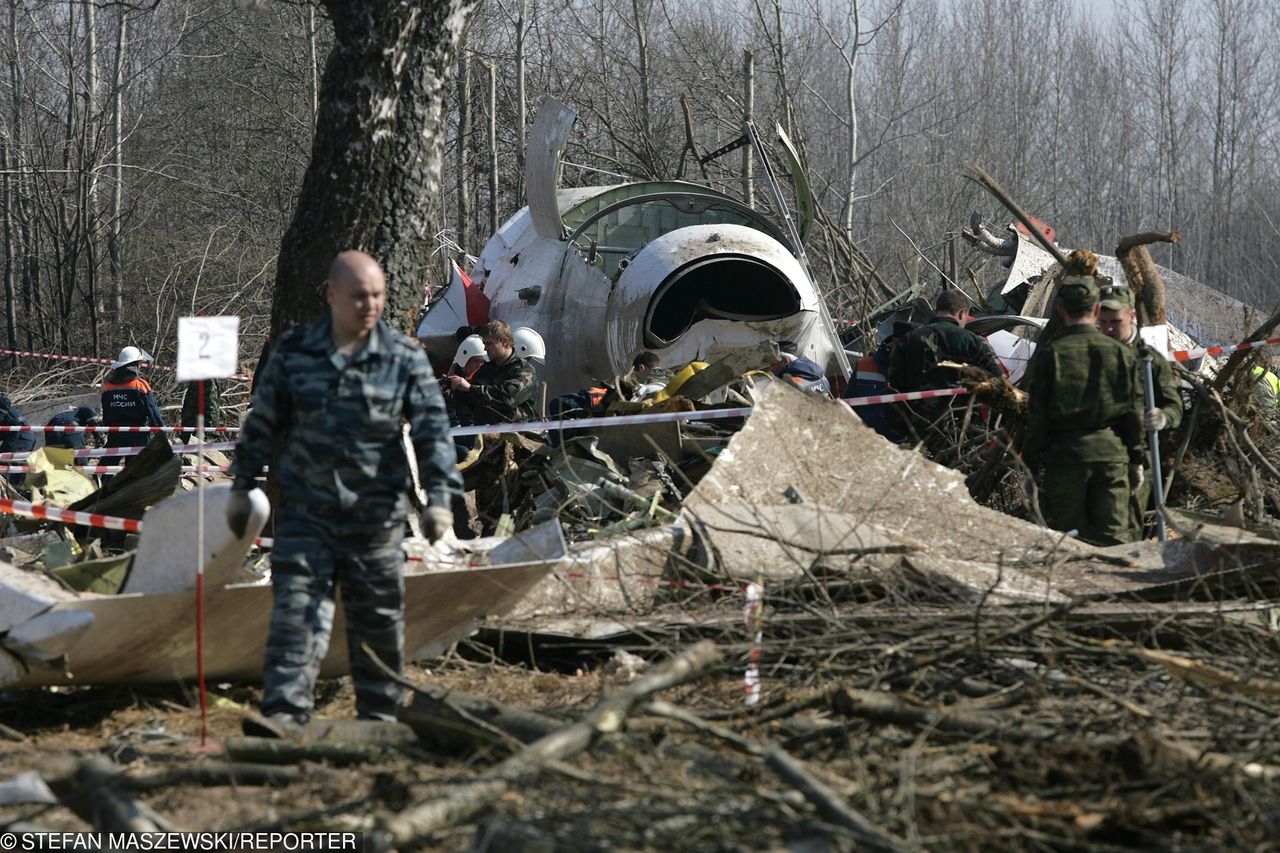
x,y
1153,445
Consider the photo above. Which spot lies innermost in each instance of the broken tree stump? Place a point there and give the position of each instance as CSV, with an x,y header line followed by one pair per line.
x,y
1142,274
453,723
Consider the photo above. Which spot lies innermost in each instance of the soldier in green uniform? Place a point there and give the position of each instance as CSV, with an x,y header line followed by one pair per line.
x,y
327,414
1084,421
1118,319
915,363
916,366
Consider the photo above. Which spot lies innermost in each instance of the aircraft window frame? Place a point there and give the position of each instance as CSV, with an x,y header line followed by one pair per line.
x,y
683,201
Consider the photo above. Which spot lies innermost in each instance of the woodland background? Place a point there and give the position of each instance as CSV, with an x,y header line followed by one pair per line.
x,y
151,154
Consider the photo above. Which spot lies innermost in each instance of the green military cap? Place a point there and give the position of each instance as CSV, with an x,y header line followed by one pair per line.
x,y
1078,292
1116,297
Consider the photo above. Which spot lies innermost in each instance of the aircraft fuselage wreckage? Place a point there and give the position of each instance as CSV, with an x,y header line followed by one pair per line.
x,y
603,273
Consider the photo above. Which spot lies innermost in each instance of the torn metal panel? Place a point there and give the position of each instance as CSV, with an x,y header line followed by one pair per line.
x,y
55,636
547,136
151,638
821,450
775,541
625,574
825,451
165,559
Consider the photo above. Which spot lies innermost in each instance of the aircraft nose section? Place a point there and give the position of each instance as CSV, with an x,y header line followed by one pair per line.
x,y
721,276
722,287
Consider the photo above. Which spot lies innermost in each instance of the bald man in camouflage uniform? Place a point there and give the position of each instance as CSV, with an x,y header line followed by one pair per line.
x,y
327,413
1084,421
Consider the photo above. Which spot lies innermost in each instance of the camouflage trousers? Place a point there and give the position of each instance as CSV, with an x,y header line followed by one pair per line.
x,y
311,563
1139,500
1091,498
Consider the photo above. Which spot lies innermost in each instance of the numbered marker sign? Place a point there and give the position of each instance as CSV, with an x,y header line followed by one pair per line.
x,y
208,347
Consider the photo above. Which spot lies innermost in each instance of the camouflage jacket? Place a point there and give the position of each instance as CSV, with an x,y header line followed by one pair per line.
x,y
914,365
1086,401
332,427
1168,400
500,393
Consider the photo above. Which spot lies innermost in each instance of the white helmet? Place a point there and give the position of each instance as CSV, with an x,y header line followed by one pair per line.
x,y
528,344
128,355
470,347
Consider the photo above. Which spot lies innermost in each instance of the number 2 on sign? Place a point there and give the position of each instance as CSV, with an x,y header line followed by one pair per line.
x,y
205,337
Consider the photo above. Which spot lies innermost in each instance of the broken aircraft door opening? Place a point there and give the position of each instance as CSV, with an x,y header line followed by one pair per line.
x,y
728,287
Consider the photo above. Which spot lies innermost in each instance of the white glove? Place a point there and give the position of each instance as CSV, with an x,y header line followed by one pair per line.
x,y
1154,420
239,508
436,522
1137,475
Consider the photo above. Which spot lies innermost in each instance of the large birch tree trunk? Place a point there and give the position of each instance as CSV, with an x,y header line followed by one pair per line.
x,y
374,178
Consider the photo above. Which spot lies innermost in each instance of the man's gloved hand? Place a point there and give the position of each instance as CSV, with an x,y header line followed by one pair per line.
x,y
436,522
239,508
1154,420
1136,476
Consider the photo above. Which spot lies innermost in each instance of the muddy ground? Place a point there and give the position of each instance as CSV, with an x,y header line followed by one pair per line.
x,y
943,726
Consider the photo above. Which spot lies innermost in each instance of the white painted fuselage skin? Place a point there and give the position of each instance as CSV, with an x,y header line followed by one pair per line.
x,y
594,325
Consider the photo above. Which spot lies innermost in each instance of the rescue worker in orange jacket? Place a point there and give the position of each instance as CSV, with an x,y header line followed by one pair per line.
x,y
870,379
127,400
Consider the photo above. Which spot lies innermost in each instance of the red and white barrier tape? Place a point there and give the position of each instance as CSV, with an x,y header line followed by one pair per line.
x,y
105,469
878,399
1191,354
84,519
705,415
753,620
19,455
588,423
114,429
85,359
53,513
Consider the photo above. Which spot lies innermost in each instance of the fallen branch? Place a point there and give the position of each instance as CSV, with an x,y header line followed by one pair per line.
x,y
828,804
1187,756
1238,357
212,775
97,791
610,713
887,708
979,176
1204,675
263,750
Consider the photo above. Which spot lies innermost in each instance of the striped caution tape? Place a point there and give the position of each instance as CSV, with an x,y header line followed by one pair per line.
x,y
105,469
86,359
704,415
1192,354
47,428
589,423
53,513
879,399
19,455
83,519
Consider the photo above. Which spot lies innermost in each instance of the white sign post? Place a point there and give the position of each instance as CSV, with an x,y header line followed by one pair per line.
x,y
208,348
